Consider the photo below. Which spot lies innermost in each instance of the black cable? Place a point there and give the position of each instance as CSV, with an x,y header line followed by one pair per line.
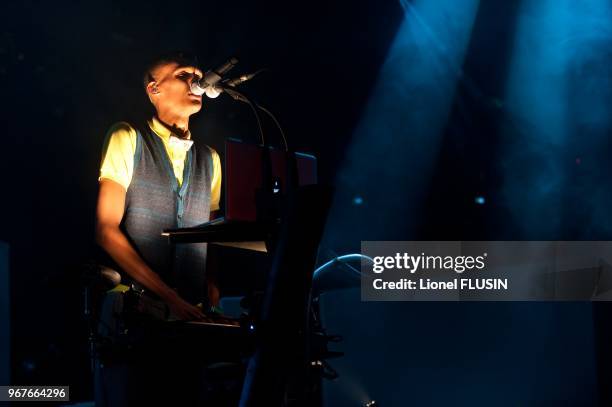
x,y
261,133
243,98
231,90
280,129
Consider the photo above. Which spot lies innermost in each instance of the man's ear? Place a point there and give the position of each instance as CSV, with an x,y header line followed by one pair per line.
x,y
152,88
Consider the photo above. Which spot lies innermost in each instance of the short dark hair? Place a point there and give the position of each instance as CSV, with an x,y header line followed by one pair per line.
x,y
179,57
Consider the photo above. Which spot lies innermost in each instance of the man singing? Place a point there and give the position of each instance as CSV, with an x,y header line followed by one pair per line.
x,y
155,176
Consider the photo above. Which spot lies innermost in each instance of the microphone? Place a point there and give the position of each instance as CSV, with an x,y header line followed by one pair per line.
x,y
210,79
241,79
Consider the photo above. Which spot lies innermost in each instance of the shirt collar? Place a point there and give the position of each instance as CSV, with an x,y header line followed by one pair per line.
x,y
169,137
164,132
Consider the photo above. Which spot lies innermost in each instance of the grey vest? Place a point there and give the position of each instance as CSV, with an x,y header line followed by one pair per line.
x,y
154,202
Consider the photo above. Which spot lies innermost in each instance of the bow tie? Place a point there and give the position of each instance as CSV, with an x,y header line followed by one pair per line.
x,y
181,143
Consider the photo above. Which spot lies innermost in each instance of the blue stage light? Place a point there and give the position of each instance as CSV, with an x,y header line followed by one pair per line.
x,y
558,91
396,142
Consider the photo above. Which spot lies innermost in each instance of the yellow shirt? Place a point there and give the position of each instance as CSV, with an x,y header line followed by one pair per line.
x,y
118,157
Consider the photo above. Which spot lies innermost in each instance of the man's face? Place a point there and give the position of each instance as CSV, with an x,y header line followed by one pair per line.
x,y
171,91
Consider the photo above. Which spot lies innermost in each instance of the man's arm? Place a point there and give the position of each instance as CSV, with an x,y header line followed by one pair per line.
x,y
109,212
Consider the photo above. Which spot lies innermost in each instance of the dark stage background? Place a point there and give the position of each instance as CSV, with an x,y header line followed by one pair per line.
x,y
425,135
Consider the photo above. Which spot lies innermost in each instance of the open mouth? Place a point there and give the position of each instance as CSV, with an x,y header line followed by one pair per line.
x,y
195,98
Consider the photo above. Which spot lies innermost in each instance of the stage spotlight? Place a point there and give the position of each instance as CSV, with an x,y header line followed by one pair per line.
x,y
371,404
480,200
395,144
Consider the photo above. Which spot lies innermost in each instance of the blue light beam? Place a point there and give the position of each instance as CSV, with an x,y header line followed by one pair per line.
x,y
552,37
394,146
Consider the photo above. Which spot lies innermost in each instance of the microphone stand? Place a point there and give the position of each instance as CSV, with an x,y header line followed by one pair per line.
x,y
292,173
268,201
243,98
304,213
